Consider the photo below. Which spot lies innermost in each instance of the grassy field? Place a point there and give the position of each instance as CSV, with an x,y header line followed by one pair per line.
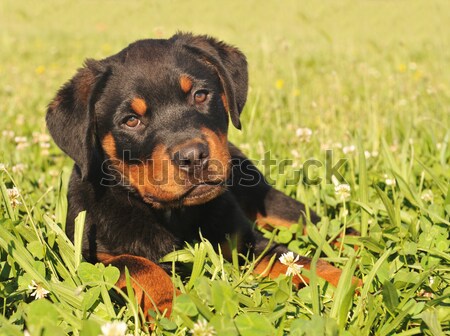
x,y
365,81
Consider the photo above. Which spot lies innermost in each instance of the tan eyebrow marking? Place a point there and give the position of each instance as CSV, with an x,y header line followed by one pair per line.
x,y
185,83
139,106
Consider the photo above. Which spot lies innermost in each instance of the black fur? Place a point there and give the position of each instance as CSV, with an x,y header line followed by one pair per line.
x,y
95,103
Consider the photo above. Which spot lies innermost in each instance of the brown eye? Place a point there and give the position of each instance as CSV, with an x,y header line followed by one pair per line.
x,y
132,122
200,96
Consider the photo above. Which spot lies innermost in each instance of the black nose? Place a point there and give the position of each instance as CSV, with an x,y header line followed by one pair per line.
x,y
191,157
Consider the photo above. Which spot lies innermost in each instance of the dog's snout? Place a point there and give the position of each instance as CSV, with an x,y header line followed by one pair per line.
x,y
191,156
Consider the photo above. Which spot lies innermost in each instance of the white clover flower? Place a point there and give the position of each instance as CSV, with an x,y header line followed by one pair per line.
x,y
44,145
40,137
114,328
53,173
8,134
295,153
367,154
14,195
304,134
292,267
21,142
245,146
18,168
349,149
22,145
39,291
389,181
342,191
298,165
343,213
79,290
374,154
201,328
260,147
288,258
20,139
2,166
427,196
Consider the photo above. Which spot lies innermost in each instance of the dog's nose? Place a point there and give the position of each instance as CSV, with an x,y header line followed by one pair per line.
x,y
191,157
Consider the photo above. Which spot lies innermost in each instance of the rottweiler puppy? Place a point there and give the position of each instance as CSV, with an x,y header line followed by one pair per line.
x,y
147,129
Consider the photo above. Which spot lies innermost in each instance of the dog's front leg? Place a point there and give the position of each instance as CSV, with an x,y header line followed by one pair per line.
x,y
259,200
272,267
152,286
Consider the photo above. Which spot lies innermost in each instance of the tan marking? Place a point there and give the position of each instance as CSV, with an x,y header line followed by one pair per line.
x,y
269,222
104,257
149,178
109,146
152,286
275,270
225,102
219,156
159,182
323,269
139,106
185,83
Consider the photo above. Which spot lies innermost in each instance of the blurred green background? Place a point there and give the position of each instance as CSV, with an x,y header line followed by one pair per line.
x,y
340,71
339,61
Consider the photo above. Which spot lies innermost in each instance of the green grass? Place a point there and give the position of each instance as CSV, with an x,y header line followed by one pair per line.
x,y
368,74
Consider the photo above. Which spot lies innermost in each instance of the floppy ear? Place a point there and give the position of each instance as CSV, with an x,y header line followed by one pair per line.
x,y
230,64
71,115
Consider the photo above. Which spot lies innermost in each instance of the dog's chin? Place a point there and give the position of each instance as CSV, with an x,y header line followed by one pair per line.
x,y
203,193
196,195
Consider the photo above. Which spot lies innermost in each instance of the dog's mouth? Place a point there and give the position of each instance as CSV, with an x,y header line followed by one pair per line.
x,y
196,194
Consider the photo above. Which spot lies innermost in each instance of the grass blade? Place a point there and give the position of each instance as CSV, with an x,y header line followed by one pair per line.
x,y
363,187
78,238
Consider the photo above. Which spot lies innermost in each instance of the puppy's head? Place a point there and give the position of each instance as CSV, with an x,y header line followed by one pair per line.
x,y
154,117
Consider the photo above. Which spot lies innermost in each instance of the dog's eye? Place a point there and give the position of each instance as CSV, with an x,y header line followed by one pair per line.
x,y
132,122
200,96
